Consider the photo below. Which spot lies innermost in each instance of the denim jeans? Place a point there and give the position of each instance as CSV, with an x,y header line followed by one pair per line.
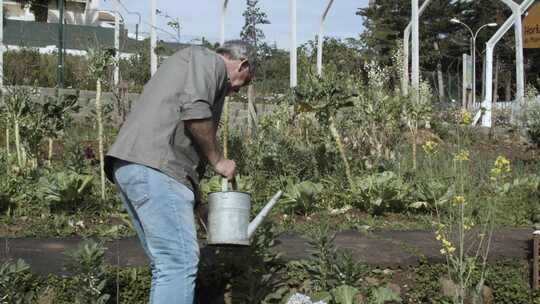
x,y
161,210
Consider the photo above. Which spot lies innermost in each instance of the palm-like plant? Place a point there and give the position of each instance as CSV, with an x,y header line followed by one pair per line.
x,y
324,96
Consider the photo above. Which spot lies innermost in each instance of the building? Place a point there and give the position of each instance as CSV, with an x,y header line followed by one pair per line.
x,y
76,12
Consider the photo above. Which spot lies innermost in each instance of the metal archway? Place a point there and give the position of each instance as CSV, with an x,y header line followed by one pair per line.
x,y
514,20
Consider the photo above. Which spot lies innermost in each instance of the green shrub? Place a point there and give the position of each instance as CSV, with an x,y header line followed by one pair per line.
x,y
87,265
18,285
532,124
382,192
65,190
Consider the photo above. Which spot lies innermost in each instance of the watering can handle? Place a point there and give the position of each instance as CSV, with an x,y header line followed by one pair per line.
x,y
225,185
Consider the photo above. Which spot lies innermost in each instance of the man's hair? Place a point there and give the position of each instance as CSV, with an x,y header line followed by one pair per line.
x,y
237,50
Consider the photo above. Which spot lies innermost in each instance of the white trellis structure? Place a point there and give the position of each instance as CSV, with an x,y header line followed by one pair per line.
x,y
222,25
406,50
514,20
153,37
293,44
292,37
321,37
116,74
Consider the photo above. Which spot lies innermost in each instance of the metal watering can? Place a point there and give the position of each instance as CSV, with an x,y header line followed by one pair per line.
x,y
228,217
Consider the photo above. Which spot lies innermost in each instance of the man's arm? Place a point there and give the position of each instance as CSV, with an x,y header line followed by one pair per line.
x,y
203,132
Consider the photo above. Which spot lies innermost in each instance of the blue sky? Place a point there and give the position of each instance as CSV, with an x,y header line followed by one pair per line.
x,y
201,18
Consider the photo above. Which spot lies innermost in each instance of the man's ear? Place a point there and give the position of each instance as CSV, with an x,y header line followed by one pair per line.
x,y
244,65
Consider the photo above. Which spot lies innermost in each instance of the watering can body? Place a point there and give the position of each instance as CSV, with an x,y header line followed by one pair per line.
x,y
229,217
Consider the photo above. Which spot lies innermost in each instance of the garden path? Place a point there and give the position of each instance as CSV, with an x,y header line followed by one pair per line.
x,y
383,248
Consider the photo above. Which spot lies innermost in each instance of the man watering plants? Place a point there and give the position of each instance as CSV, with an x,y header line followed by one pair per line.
x,y
160,153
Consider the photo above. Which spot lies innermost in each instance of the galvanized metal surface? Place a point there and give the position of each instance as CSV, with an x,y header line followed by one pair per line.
x,y
228,218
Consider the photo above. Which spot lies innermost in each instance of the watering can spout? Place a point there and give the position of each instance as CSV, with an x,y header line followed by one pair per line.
x,y
262,215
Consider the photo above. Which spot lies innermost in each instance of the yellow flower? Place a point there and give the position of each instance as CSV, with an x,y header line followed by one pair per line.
x,y
463,155
501,166
446,243
459,200
451,249
465,117
430,147
438,237
502,163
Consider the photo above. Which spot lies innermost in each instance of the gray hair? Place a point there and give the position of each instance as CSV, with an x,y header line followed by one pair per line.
x,y
237,50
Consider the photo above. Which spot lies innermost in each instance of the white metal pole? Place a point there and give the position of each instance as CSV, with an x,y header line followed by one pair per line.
x,y
222,23
294,81
153,37
321,38
490,46
406,51
415,46
473,78
116,75
520,68
520,73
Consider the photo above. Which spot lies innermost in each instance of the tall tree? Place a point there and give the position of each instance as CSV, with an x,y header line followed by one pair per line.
x,y
254,17
254,35
40,9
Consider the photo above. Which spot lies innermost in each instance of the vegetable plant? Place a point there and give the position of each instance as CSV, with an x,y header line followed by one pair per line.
x,y
324,96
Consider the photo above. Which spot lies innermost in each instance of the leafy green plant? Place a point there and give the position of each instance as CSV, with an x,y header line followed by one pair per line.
x,y
344,294
87,264
329,267
65,189
18,105
17,283
379,192
375,120
300,197
382,295
532,123
324,96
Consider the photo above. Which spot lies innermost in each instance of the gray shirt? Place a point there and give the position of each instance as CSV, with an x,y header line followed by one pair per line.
x,y
191,84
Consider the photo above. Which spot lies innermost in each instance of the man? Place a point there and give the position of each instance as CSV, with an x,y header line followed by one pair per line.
x,y
160,150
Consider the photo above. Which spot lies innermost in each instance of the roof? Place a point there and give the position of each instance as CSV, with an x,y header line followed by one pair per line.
x,y
105,16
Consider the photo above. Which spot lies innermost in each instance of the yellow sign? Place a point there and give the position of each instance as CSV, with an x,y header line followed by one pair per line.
x,y
531,28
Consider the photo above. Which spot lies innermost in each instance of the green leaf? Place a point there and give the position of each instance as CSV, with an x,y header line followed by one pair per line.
x,y
344,294
381,295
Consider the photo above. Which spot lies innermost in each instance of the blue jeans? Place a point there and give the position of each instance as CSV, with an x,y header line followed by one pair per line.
x,y
161,210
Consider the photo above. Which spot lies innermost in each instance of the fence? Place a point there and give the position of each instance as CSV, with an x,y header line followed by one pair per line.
x,y
238,111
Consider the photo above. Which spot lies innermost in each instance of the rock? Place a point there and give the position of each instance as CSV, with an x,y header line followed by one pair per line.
x,y
449,288
372,281
487,295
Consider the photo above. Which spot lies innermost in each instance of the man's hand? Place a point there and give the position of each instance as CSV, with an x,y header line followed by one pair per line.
x,y
226,168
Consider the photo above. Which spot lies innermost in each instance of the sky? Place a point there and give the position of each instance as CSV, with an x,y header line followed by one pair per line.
x,y
202,18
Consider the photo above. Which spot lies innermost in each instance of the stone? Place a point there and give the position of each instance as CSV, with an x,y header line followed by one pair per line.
x,y
449,288
487,295
372,281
